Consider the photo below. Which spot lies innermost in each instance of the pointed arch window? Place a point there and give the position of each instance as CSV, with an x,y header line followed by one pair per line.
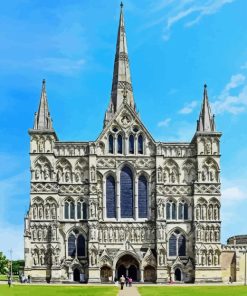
x,y
69,209
140,144
81,210
126,192
173,245
80,245
110,197
142,197
71,245
183,211
171,210
174,211
111,144
177,244
131,144
168,211
120,144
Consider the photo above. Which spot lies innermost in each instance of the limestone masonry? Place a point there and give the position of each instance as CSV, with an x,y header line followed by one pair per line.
x,y
124,204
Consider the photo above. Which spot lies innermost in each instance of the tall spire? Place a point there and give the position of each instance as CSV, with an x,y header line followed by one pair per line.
x,y
206,121
43,120
121,82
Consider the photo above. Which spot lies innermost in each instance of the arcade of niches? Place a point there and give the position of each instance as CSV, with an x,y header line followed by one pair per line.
x,y
123,204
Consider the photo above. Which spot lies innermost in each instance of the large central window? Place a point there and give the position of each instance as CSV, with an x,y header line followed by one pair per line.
x,y
126,192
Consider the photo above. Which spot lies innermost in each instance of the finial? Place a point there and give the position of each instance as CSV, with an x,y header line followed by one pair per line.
x,y
205,85
43,82
121,4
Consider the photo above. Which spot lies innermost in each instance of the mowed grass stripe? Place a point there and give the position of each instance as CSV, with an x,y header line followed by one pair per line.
x,y
28,290
194,291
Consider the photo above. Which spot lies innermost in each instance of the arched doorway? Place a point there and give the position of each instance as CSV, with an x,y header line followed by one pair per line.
x,y
178,275
132,272
105,274
121,271
149,274
128,266
76,275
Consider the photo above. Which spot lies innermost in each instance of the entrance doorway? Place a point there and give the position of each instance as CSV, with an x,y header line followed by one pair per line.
x,y
105,274
132,272
76,275
128,266
149,274
178,275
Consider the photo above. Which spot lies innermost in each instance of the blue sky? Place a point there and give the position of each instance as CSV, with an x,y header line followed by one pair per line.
x,y
175,46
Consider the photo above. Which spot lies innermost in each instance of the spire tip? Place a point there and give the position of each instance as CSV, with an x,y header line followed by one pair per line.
x,y
121,4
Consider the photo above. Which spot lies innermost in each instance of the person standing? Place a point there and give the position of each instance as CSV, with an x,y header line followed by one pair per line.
x,y
130,282
122,280
126,281
9,281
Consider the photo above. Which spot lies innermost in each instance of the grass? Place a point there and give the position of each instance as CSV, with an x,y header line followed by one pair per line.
x,y
26,290
4,277
194,291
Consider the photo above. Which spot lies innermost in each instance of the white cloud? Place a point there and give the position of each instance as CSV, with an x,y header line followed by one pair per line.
x,y
187,109
188,12
233,98
164,123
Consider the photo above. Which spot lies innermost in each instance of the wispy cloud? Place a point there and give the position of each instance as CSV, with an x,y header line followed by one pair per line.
x,y
188,108
187,12
164,123
233,98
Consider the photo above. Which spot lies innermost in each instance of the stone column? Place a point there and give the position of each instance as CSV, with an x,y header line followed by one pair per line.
x,y
118,209
136,198
142,275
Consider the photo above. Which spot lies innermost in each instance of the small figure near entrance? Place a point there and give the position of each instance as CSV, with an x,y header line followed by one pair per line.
x,y
230,280
122,280
130,282
126,281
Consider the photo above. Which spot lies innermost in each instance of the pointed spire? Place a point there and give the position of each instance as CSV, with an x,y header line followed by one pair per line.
x,y
42,118
121,82
206,121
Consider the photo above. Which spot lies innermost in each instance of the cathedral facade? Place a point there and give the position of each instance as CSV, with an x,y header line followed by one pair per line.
x,y
123,204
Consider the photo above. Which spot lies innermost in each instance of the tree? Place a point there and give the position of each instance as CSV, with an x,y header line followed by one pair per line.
x,y
3,264
17,265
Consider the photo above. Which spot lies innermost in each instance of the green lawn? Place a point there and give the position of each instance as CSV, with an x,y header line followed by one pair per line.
x,y
26,290
4,277
194,291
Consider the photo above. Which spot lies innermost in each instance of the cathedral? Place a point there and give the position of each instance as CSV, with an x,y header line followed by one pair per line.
x,y
123,204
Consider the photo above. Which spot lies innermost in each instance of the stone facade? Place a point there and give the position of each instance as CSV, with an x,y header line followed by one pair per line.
x,y
123,204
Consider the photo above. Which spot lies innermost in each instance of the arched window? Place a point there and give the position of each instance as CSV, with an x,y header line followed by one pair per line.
x,y
140,144
142,197
168,211
81,210
177,244
174,211
183,211
72,210
71,245
110,144
66,210
173,245
126,193
80,245
69,209
84,210
186,211
181,245
110,197
131,144
119,144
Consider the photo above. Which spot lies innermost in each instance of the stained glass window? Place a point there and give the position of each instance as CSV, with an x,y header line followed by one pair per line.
x,y
80,246
126,193
131,144
110,197
140,144
142,197
120,144
111,144
71,245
